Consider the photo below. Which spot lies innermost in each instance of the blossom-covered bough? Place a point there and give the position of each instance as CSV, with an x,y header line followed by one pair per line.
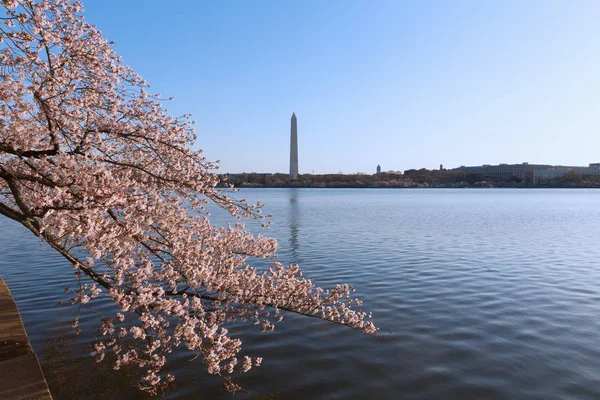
x,y
94,165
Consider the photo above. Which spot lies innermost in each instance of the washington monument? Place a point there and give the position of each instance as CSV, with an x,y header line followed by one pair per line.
x,y
294,149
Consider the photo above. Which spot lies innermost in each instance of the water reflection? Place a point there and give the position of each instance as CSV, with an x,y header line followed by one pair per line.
x,y
70,371
472,312
294,217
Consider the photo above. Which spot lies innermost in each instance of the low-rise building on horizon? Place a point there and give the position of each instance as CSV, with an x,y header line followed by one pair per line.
x,y
528,173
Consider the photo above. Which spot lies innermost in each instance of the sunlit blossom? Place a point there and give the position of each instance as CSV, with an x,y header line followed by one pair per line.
x,y
100,171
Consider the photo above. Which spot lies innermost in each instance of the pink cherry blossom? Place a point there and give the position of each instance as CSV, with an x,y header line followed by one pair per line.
x,y
97,168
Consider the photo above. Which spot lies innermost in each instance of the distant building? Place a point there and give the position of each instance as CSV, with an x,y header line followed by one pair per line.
x,y
441,167
294,149
378,169
528,173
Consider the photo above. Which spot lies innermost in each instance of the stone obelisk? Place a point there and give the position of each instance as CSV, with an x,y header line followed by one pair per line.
x,y
294,149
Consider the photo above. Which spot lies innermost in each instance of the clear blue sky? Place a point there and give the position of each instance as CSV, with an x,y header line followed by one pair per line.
x,y
404,84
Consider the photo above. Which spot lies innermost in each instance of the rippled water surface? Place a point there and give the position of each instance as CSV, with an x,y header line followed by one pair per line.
x,y
484,294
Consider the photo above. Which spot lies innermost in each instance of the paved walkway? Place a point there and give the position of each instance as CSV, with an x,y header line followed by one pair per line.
x,y
21,377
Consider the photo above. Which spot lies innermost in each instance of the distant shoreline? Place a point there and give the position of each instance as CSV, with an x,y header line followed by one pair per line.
x,y
251,186
441,179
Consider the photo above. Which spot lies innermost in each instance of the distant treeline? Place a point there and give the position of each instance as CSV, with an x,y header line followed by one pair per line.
x,y
410,178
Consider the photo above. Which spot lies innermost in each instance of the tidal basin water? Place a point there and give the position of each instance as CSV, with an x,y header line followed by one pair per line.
x,y
484,293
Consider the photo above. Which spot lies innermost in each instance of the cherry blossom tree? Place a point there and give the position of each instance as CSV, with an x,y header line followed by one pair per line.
x,y
93,164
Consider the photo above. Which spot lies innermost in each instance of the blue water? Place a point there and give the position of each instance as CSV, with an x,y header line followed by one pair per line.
x,y
483,293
